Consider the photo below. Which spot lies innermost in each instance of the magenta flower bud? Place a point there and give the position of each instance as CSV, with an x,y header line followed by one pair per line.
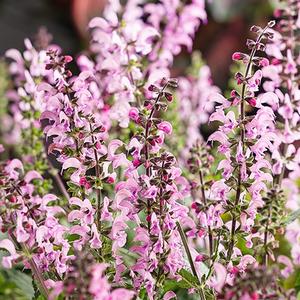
x,y
200,258
133,113
169,96
252,102
98,145
234,270
237,56
67,59
82,181
194,205
254,296
277,13
165,126
233,93
201,232
275,61
12,199
165,177
110,180
136,162
106,107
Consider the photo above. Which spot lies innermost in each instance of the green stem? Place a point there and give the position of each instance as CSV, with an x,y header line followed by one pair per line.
x,y
190,259
38,275
210,236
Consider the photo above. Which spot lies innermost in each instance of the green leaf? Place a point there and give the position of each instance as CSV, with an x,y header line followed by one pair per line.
x,y
297,282
188,280
292,217
22,281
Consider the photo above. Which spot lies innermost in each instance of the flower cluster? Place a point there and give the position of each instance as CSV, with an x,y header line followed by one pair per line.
x,y
282,78
139,49
145,207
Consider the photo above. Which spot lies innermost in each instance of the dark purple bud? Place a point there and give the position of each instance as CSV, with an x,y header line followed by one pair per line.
x,y
169,96
152,88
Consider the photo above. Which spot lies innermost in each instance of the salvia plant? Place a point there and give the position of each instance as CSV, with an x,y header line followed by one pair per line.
x,y
112,192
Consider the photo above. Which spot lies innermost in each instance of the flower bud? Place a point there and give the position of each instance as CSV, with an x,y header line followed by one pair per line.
x,y
194,205
201,232
277,13
133,113
238,56
136,162
169,96
67,59
110,180
82,181
152,88
12,199
239,78
165,126
200,258
251,101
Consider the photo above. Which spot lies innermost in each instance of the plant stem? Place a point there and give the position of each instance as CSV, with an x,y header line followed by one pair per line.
x,y
242,117
147,129
98,191
58,180
210,236
37,274
190,259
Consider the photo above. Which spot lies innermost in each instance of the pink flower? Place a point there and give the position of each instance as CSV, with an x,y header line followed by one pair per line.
x,y
218,281
238,56
134,114
165,126
9,246
289,268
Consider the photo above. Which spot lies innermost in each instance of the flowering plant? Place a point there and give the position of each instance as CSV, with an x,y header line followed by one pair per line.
x,y
115,194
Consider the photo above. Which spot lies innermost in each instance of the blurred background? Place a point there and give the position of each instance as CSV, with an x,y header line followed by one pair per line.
x,y
66,20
